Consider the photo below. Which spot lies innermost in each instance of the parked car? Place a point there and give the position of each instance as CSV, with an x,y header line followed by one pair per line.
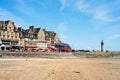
x,y
17,48
39,50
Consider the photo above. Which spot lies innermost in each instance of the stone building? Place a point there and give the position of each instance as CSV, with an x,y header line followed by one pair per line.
x,y
8,33
28,38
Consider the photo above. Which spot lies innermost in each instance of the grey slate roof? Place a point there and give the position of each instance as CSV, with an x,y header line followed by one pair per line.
x,y
36,30
35,35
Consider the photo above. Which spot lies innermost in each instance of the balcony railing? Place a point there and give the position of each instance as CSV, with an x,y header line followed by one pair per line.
x,y
9,39
12,34
6,39
16,40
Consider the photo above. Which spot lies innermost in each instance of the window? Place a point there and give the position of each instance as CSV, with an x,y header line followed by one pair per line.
x,y
20,43
12,34
3,32
20,35
15,35
8,36
6,42
3,36
10,29
31,43
13,43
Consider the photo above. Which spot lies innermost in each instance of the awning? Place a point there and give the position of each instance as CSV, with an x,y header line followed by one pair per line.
x,y
52,49
2,45
67,49
30,46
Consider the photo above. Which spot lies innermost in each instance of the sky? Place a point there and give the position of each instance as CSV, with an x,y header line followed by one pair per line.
x,y
80,23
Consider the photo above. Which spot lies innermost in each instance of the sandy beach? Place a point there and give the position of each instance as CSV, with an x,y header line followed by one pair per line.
x,y
60,69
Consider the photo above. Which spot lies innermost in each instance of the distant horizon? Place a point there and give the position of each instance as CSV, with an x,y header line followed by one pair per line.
x,y
80,23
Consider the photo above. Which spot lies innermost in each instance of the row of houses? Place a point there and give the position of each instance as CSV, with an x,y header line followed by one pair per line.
x,y
11,35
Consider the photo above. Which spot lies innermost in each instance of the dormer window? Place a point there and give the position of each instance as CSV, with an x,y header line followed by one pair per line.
x,y
3,27
46,34
31,36
20,35
15,29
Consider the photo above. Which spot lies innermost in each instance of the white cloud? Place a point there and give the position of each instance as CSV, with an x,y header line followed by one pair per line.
x,y
63,4
82,6
99,9
115,36
66,3
103,14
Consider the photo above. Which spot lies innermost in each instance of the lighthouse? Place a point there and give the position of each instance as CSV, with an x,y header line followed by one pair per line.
x,y
102,44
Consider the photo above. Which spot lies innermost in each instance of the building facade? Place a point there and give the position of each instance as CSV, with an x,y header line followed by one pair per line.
x,y
10,35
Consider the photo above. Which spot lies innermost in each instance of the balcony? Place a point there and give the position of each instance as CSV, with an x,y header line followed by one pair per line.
x,y
31,36
47,39
14,40
12,34
9,39
5,39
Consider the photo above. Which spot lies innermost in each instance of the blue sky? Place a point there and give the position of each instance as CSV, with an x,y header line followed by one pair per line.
x,y
81,23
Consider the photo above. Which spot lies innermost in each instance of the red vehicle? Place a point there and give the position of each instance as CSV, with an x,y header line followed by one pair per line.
x,y
52,49
63,47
